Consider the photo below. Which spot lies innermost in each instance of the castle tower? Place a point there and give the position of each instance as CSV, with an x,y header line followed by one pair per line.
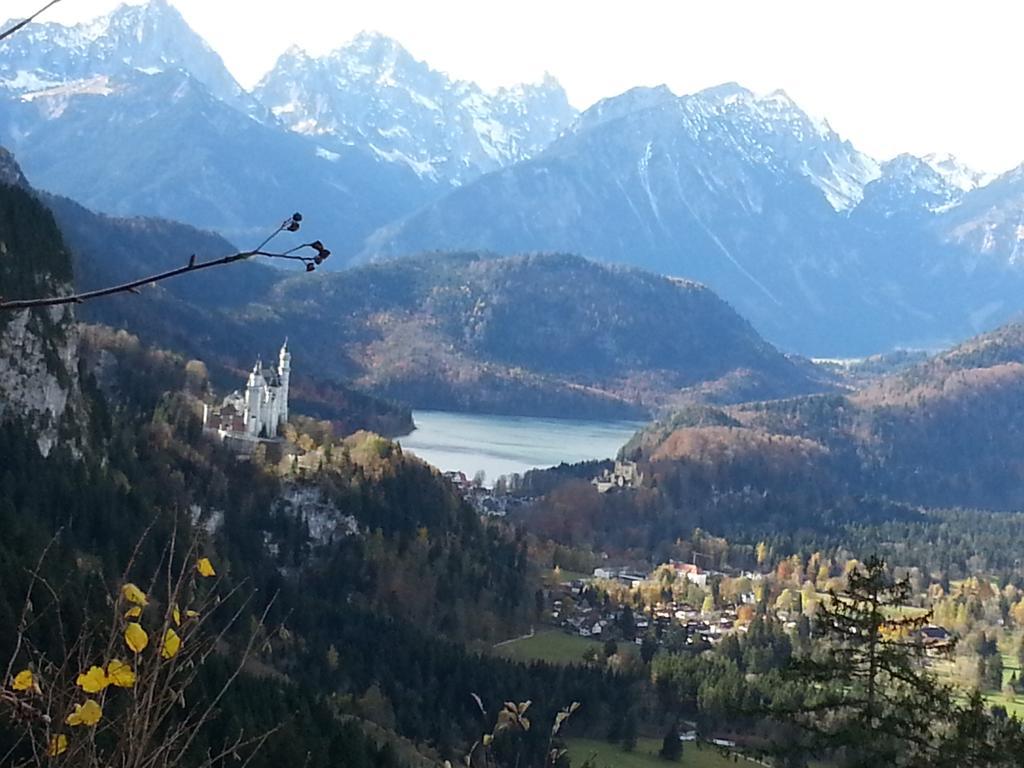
x,y
254,393
284,367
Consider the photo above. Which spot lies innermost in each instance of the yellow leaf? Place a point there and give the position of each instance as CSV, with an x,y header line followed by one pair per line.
x,y
23,681
85,714
205,567
133,594
176,615
58,745
120,674
135,637
93,681
488,738
171,644
133,613
191,614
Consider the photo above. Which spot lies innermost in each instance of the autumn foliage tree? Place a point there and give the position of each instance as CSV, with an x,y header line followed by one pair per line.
x,y
119,692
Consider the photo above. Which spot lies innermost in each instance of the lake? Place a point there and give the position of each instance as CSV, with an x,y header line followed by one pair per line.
x,y
501,445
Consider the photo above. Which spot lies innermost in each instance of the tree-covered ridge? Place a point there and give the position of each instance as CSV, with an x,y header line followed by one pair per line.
x,y
35,257
541,333
946,431
189,315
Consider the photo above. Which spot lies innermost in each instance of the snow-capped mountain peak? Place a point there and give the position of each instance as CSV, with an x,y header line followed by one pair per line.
x,y
149,37
372,91
955,173
798,140
771,131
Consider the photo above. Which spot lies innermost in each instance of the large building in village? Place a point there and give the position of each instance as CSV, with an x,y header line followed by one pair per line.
x,y
262,410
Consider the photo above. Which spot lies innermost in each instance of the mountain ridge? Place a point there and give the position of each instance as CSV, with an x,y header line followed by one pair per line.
x,y
372,90
825,250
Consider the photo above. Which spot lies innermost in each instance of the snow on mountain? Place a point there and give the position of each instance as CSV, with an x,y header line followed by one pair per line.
x,y
956,173
796,140
989,221
372,92
910,184
820,246
770,130
150,37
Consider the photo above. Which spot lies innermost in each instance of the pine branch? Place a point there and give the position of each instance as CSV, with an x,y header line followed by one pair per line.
x,y
24,22
290,225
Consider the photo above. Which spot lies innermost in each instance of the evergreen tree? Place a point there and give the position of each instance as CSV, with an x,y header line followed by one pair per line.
x,y
671,746
869,695
648,647
629,732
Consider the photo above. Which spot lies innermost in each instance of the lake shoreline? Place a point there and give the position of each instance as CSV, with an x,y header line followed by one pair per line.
x,y
502,445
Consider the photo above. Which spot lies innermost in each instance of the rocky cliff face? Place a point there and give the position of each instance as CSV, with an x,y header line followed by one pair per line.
x,y
38,348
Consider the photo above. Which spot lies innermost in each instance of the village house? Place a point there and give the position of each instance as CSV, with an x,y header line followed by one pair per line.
x,y
691,573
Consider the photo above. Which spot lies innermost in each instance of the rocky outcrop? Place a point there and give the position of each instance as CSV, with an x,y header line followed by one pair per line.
x,y
39,380
39,371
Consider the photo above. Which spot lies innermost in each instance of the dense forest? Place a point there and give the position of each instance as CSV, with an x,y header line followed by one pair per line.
x,y
374,621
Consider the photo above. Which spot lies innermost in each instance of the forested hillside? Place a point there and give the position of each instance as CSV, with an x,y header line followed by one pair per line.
x,y
194,317
379,572
541,334
946,431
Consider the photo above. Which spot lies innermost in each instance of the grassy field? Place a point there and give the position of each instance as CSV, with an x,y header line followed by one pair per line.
x,y
1011,665
605,755
553,577
945,670
549,645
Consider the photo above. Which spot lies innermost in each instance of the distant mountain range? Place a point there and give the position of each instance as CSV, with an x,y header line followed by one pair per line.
x,y
826,250
134,114
373,93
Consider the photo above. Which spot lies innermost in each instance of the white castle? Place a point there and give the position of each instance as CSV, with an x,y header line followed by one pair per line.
x,y
262,410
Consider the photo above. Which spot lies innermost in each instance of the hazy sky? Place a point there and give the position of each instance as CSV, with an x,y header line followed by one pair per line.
x,y
890,75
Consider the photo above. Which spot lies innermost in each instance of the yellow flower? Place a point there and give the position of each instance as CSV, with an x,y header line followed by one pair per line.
x,y
85,714
134,612
120,674
135,637
93,681
133,594
171,644
176,615
23,681
58,745
205,567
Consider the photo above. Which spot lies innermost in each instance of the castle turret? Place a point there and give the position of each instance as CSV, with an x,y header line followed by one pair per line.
x,y
284,367
254,395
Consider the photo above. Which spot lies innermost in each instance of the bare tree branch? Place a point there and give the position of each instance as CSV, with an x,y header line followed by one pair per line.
x,y
290,225
24,22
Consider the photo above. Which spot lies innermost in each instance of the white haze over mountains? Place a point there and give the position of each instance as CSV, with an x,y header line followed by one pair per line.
x,y
893,77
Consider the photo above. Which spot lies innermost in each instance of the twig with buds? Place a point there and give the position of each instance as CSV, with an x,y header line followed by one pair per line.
x,y
299,253
25,22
